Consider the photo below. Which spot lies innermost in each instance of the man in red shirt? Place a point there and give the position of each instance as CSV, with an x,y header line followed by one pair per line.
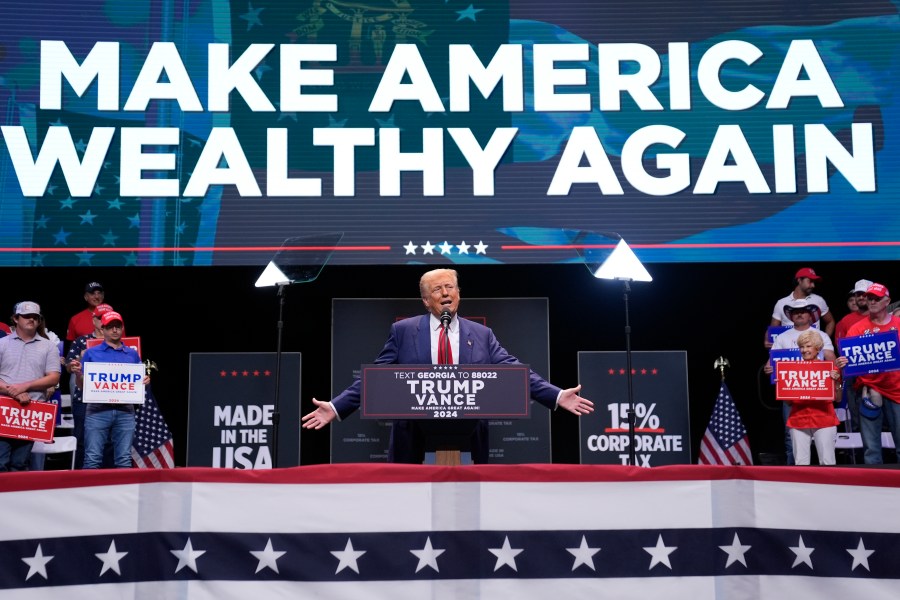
x,y
880,392
862,310
858,293
82,323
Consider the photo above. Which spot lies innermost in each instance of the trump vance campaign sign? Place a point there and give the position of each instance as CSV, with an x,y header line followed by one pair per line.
x,y
35,421
804,380
871,353
113,383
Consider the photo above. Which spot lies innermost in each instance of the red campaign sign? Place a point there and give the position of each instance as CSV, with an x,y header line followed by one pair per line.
x,y
34,421
804,380
131,342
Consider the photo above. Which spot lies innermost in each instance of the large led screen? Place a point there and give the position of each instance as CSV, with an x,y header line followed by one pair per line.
x,y
205,132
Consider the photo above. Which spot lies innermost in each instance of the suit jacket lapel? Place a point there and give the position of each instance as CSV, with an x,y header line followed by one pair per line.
x,y
423,341
465,342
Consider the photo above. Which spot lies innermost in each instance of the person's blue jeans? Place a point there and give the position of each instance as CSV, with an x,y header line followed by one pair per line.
x,y
870,431
788,442
852,395
78,411
113,423
14,454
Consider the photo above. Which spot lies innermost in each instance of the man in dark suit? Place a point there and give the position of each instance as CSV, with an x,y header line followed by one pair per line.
x,y
415,341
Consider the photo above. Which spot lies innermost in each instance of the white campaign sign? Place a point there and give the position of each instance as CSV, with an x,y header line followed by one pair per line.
x,y
113,383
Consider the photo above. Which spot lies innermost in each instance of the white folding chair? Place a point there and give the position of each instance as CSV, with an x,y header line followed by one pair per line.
x,y
853,441
848,441
65,443
846,438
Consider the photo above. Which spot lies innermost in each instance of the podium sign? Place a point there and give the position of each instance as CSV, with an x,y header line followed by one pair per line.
x,y
804,380
445,392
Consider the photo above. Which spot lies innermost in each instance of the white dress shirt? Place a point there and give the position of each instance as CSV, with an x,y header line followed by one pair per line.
x,y
435,325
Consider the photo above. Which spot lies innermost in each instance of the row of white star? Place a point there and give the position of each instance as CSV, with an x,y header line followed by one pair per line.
x,y
506,556
446,247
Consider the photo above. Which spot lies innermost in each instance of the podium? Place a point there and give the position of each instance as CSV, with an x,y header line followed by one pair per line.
x,y
448,439
447,402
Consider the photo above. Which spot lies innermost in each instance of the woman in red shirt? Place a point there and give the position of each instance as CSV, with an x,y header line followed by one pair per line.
x,y
813,420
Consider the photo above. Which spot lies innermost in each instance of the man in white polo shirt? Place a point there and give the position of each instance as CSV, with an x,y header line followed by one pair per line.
x,y
29,366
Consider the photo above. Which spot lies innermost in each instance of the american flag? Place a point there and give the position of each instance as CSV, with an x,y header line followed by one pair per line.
x,y
404,532
725,441
152,444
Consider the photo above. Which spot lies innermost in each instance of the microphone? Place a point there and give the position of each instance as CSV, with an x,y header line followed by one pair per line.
x,y
446,317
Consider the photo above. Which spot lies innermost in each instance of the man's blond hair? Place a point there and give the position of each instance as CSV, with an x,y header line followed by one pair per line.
x,y
434,273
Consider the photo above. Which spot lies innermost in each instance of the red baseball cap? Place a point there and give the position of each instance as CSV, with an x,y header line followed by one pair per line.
x,y
876,289
100,309
806,272
110,316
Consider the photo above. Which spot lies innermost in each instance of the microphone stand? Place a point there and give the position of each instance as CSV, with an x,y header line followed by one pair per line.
x,y
632,452
446,317
276,416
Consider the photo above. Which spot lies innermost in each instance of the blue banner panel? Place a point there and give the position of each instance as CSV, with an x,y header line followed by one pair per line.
x,y
512,131
662,412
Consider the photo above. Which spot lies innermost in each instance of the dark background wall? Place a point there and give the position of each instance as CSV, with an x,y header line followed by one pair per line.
x,y
706,309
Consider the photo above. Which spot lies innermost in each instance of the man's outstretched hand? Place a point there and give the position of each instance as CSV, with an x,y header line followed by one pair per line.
x,y
319,418
572,402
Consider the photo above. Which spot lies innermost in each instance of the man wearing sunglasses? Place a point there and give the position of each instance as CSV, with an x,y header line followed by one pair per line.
x,y
29,366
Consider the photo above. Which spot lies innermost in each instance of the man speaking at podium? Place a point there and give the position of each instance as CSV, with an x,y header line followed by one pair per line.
x,y
424,340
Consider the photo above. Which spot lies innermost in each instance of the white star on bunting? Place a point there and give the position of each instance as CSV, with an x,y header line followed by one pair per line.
x,y
347,557
660,553
860,556
735,552
584,555
506,555
268,557
804,554
111,559
37,564
187,557
427,556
